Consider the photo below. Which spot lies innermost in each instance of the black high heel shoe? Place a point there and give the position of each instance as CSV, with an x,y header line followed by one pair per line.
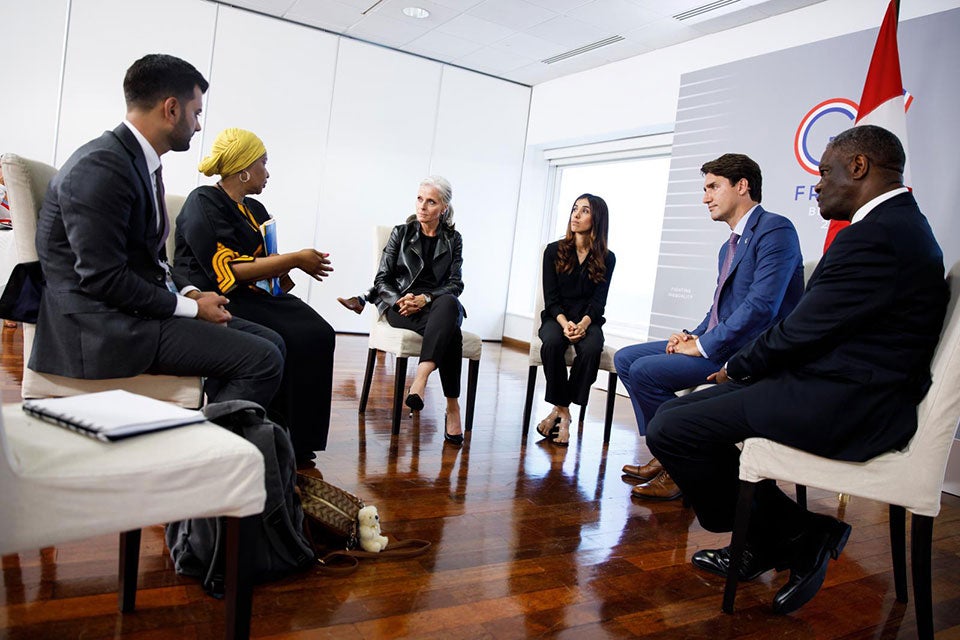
x,y
414,401
456,439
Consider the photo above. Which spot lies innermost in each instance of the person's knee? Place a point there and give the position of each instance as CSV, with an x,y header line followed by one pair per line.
x,y
622,362
446,303
273,360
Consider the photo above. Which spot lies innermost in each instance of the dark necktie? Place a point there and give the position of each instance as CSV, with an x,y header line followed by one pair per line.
x,y
163,226
162,223
724,272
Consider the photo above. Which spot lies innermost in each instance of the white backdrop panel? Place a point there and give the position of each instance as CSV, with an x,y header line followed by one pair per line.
x,y
106,36
381,137
481,127
285,102
33,36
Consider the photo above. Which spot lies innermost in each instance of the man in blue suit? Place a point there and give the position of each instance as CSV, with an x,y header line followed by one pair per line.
x,y
760,281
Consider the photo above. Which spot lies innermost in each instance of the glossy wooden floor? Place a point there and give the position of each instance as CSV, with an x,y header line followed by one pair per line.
x,y
530,540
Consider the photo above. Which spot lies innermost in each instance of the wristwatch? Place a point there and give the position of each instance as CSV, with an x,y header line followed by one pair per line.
x,y
427,299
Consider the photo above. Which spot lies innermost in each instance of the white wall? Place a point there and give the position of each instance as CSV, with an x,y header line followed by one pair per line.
x,y
28,110
350,128
639,96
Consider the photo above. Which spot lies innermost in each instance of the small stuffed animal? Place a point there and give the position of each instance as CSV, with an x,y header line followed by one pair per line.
x,y
370,538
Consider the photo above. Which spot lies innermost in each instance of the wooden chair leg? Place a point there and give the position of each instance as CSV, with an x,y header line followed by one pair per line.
x,y
583,413
528,402
921,539
738,542
473,375
802,495
129,567
608,414
239,581
898,550
399,382
367,378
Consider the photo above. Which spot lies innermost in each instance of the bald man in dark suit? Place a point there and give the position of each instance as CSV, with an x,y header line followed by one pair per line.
x,y
840,377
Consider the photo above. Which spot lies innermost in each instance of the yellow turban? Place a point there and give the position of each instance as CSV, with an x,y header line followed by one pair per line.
x,y
233,151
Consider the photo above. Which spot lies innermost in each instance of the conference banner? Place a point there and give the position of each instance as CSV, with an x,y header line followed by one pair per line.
x,y
781,109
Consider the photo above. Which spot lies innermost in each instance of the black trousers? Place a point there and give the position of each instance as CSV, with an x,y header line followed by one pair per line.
x,y
302,402
439,324
561,391
242,361
695,438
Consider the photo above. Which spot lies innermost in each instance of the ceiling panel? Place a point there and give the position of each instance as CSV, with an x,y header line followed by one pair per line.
x,y
510,38
515,14
615,16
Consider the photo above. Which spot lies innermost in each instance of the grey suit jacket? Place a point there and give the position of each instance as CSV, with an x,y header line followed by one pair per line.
x,y
98,244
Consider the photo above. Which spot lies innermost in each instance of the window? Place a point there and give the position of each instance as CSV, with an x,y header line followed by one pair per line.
x,y
633,182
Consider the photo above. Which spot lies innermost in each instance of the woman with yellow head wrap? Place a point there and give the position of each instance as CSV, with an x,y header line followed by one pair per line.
x,y
226,242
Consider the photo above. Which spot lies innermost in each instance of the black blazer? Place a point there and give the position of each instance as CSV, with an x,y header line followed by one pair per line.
x,y
98,244
847,368
401,263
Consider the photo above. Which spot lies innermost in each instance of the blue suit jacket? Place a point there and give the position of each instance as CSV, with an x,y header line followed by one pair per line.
x,y
764,285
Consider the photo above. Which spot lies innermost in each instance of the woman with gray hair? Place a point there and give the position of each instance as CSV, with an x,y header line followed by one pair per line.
x,y
417,287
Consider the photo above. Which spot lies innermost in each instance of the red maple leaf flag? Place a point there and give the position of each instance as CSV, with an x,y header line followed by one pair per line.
x,y
883,102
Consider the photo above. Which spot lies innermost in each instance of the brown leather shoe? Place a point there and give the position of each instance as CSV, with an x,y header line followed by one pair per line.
x,y
660,488
645,472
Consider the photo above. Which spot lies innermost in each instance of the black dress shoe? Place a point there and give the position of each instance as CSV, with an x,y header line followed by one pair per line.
x,y
824,539
414,401
452,438
718,561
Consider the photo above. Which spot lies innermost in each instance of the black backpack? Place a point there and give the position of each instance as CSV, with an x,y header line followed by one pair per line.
x,y
279,547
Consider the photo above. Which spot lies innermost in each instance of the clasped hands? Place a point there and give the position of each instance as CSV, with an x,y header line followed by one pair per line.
x,y
683,343
411,304
574,331
686,343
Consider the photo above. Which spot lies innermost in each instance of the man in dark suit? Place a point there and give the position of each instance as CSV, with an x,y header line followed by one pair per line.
x,y
840,377
760,281
110,308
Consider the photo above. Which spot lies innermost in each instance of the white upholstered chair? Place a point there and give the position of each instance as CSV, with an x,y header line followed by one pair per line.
x,y
59,486
27,182
606,364
405,344
923,461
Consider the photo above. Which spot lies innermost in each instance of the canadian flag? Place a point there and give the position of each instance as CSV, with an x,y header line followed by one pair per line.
x,y
884,102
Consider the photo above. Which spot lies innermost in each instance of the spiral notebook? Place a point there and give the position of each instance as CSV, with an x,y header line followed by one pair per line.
x,y
111,415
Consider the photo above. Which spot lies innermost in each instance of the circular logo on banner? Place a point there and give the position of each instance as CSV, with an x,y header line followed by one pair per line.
x,y
817,128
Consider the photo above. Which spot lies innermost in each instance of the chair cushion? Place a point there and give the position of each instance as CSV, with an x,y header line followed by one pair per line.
x,y
61,486
182,390
606,358
407,344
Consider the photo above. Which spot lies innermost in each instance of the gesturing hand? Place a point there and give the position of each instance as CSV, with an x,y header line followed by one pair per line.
x,y
314,263
210,307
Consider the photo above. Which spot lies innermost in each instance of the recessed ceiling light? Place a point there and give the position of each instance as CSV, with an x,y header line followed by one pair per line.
x,y
416,12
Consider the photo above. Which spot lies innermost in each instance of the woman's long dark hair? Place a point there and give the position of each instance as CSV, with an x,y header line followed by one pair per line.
x,y
596,258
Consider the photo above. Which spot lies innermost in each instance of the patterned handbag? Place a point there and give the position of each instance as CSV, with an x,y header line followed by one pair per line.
x,y
334,530
331,507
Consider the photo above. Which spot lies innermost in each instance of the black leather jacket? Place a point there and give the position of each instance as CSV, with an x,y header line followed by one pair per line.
x,y
401,263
